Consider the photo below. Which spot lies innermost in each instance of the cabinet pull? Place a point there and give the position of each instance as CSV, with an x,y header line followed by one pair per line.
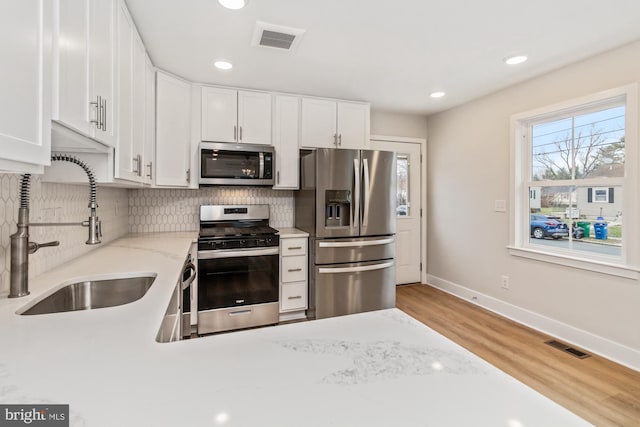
x,y
189,175
104,115
96,121
235,133
335,139
240,133
278,177
150,174
340,140
136,169
296,297
293,248
292,270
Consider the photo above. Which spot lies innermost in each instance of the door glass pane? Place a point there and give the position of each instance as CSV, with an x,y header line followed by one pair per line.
x,y
402,197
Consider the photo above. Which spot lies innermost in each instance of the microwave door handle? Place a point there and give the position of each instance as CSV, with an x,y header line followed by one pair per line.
x,y
355,201
261,156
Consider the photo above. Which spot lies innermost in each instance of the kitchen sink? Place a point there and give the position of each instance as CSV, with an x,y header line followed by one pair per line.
x,y
92,294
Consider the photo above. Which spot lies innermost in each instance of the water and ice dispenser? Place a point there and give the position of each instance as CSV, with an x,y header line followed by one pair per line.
x,y
337,210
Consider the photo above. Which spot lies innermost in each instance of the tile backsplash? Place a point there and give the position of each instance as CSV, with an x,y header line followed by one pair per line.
x,y
120,210
153,210
57,203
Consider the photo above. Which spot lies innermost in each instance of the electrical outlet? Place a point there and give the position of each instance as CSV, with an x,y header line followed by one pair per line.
x,y
504,282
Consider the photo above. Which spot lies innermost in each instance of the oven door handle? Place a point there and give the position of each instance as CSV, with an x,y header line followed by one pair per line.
x,y
214,254
192,268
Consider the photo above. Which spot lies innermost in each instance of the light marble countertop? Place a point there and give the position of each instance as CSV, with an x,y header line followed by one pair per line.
x,y
292,232
371,369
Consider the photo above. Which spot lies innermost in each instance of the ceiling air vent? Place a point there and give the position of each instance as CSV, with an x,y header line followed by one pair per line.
x,y
276,36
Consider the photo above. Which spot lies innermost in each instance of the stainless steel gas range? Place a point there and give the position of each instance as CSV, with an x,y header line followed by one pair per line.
x,y
237,268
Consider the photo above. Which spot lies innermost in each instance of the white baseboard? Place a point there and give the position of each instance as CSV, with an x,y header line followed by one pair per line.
x,y
606,348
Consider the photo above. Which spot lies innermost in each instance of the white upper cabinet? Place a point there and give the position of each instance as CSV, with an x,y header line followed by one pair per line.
x,y
254,117
229,115
84,72
286,135
173,131
334,124
130,159
25,103
150,121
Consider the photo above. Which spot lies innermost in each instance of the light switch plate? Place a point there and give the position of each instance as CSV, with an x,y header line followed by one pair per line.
x,y
500,206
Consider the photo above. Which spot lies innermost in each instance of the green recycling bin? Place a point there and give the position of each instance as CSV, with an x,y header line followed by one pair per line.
x,y
586,226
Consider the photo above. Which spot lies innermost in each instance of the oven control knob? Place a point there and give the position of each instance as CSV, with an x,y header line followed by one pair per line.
x,y
243,243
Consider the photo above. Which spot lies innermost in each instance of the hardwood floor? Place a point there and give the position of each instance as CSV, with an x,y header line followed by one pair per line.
x,y
596,389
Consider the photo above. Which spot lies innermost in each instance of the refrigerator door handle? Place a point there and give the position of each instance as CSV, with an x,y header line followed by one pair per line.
x,y
365,190
355,201
356,244
333,270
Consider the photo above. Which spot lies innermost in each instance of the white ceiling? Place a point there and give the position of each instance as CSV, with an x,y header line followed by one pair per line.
x,y
388,52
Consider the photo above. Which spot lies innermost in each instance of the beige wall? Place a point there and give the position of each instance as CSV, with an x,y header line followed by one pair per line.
x,y
468,168
398,124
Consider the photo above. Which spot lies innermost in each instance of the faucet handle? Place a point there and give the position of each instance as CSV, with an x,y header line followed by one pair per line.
x,y
33,246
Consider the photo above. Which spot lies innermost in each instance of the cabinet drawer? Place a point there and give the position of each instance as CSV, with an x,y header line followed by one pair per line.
x,y
297,246
294,296
294,269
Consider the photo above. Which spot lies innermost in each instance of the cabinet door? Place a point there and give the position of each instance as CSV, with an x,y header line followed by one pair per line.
x,y
254,117
318,123
124,167
102,47
25,104
173,125
286,135
219,114
150,121
353,125
71,67
138,107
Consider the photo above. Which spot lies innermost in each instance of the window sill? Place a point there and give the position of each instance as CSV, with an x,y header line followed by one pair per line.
x,y
574,262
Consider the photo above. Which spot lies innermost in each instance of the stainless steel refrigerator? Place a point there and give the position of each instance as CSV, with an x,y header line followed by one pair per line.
x,y
346,203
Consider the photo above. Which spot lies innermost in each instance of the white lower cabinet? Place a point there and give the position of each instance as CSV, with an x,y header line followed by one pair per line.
x,y
293,275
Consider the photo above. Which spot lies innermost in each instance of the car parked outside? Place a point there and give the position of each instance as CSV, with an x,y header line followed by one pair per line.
x,y
544,226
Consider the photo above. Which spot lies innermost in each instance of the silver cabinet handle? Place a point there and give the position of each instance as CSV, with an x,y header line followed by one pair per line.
x,y
240,133
340,140
296,297
104,115
332,270
138,161
291,270
150,166
189,175
97,116
293,248
278,177
335,139
235,133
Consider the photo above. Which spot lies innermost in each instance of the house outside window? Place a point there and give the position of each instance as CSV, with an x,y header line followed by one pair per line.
x,y
573,164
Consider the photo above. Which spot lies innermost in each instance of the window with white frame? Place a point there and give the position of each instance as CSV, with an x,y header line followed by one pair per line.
x,y
573,165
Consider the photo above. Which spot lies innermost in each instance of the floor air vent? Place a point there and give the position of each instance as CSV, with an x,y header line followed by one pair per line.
x,y
567,349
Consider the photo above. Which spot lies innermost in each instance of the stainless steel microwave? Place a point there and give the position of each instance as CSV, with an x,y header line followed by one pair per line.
x,y
223,163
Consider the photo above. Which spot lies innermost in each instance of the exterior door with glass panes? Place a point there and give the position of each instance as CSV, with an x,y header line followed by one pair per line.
x,y
408,232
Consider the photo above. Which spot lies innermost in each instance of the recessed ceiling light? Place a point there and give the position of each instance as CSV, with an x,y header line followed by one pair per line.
x,y
233,4
438,94
515,60
223,65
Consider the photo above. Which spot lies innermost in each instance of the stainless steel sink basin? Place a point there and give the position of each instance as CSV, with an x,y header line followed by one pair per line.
x,y
92,294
